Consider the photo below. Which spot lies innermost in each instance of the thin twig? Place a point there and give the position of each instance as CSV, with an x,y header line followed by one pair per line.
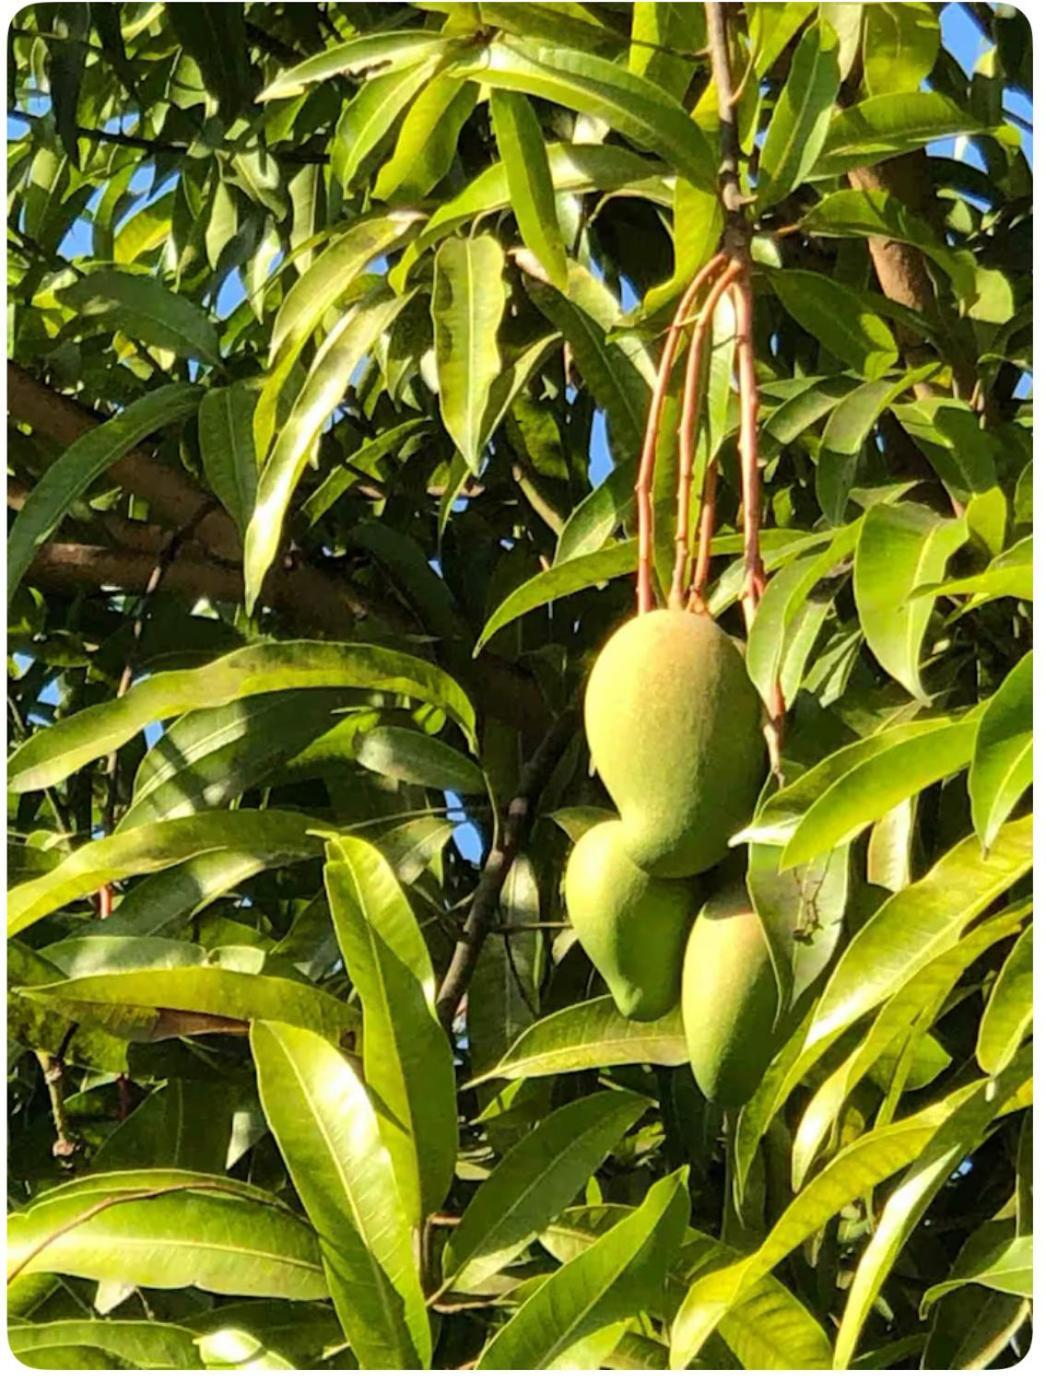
x,y
65,1144
503,852
688,427
645,476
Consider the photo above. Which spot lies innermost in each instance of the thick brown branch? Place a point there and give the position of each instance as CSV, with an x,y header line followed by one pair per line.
x,y
483,911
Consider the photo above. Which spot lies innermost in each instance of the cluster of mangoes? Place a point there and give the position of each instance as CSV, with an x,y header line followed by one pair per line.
x,y
673,726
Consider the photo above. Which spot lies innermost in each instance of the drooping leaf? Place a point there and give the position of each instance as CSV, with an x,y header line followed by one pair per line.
x,y
1008,1014
413,757
522,150
54,753
380,53
369,117
883,126
140,1344
215,36
89,457
427,141
327,1131
836,315
227,449
992,1257
468,300
144,309
406,1056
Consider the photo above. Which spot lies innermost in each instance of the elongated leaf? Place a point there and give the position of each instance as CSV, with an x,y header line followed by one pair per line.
x,y
911,1011
992,1258
406,1055
373,111
597,517
78,467
329,277
632,105
136,1343
52,754
534,1183
901,43
169,1229
370,54
578,573
836,316
366,461
1009,574
1008,1015
412,757
323,390
522,151
657,28
589,1036
428,140
576,26
227,449
468,300
901,547
857,1169
620,1274
917,924
210,756
960,1133
873,786
328,1134
152,847
883,126
1001,771
155,1004
799,124
144,309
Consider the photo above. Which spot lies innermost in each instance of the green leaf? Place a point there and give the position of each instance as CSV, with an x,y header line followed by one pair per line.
x,y
428,140
595,87
534,1183
504,992
323,390
1001,771
216,37
770,30
89,457
1008,1016
854,1172
658,26
169,1230
974,1108
156,846
142,1344
838,318
468,300
573,167
1010,574
620,1274
362,57
948,432
53,753
903,765
574,25
235,1348
907,1014
884,126
406,1056
327,1132
369,117
597,517
156,1004
143,309
409,756
799,123
589,1036
901,43
915,925
208,757
578,573
901,547
522,150
846,431
227,448
992,1257
366,461
67,56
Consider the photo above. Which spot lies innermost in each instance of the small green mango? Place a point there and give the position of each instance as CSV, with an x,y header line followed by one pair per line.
x,y
633,927
673,726
729,998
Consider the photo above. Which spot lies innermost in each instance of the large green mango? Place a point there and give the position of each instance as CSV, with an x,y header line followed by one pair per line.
x,y
633,927
673,725
729,998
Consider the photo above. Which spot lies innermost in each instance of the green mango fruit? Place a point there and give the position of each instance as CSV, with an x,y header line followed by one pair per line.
x,y
673,726
729,998
633,927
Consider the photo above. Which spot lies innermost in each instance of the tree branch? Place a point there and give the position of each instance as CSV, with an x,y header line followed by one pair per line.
x,y
518,820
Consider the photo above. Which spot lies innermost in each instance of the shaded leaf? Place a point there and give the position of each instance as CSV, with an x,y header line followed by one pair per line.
x,y
1008,1015
145,310
1001,771
801,114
